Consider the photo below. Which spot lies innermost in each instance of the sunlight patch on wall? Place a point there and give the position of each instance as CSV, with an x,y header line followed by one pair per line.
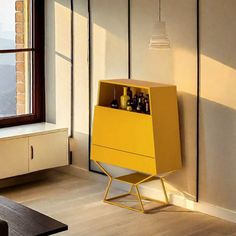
x,y
81,81
185,69
62,31
219,82
62,91
99,58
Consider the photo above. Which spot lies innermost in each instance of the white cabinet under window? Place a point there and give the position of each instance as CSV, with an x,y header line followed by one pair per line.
x,y
30,148
13,157
48,151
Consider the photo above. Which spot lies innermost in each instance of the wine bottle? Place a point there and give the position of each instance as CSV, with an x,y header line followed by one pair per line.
x,y
114,103
129,106
146,106
129,93
133,90
134,102
139,106
141,101
124,98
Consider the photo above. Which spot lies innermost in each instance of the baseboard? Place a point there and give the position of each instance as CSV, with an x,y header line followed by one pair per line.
x,y
82,173
180,200
175,198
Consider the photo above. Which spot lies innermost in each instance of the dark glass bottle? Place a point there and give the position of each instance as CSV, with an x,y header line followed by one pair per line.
x,y
139,105
140,95
146,105
134,102
129,107
141,101
114,103
129,93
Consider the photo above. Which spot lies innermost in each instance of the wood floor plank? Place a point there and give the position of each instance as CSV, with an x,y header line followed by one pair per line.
x,y
78,203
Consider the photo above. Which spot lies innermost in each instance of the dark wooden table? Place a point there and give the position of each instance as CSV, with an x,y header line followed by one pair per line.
x,y
23,221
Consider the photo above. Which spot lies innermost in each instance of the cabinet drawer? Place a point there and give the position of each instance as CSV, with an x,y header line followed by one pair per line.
x,y
13,157
48,151
122,130
123,159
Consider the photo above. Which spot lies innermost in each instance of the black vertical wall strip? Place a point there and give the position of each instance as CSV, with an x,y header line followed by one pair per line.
x,y
89,82
129,39
90,85
198,98
72,80
72,69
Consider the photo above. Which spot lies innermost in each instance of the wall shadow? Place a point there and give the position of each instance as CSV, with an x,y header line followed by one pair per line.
x,y
184,180
50,67
217,154
217,28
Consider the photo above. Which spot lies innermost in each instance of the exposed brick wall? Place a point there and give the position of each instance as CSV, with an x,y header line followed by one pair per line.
x,y
20,58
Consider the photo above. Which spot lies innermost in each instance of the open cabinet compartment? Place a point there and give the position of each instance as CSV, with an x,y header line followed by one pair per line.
x,y
106,92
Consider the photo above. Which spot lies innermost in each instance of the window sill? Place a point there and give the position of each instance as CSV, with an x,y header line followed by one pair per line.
x,y
29,130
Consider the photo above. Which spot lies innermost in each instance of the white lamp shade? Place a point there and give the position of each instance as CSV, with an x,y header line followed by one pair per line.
x,y
159,39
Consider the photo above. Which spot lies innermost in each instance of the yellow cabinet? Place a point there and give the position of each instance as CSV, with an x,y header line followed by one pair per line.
x,y
148,143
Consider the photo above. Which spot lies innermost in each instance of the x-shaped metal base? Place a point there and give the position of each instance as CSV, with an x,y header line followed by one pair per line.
x,y
134,180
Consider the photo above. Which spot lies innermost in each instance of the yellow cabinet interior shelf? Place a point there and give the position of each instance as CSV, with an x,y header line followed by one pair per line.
x,y
148,143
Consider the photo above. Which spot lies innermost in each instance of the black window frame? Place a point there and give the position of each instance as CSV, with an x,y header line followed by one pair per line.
x,y
38,70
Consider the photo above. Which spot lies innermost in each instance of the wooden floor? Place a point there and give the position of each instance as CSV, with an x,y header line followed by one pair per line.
x,y
77,202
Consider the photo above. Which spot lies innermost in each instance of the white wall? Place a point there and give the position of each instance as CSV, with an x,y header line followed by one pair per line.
x,y
218,103
81,85
58,61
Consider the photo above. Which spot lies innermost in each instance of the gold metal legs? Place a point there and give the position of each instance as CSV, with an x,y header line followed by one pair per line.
x,y
164,190
134,179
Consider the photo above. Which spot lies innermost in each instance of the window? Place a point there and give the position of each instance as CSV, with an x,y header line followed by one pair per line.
x,y
21,62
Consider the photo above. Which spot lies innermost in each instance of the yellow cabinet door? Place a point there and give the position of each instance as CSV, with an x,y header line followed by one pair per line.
x,y
122,130
124,159
48,151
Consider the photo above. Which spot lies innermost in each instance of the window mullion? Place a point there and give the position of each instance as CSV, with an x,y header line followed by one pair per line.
x,y
17,50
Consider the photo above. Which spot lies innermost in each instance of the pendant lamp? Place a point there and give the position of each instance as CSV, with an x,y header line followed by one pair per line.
x,y
159,39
